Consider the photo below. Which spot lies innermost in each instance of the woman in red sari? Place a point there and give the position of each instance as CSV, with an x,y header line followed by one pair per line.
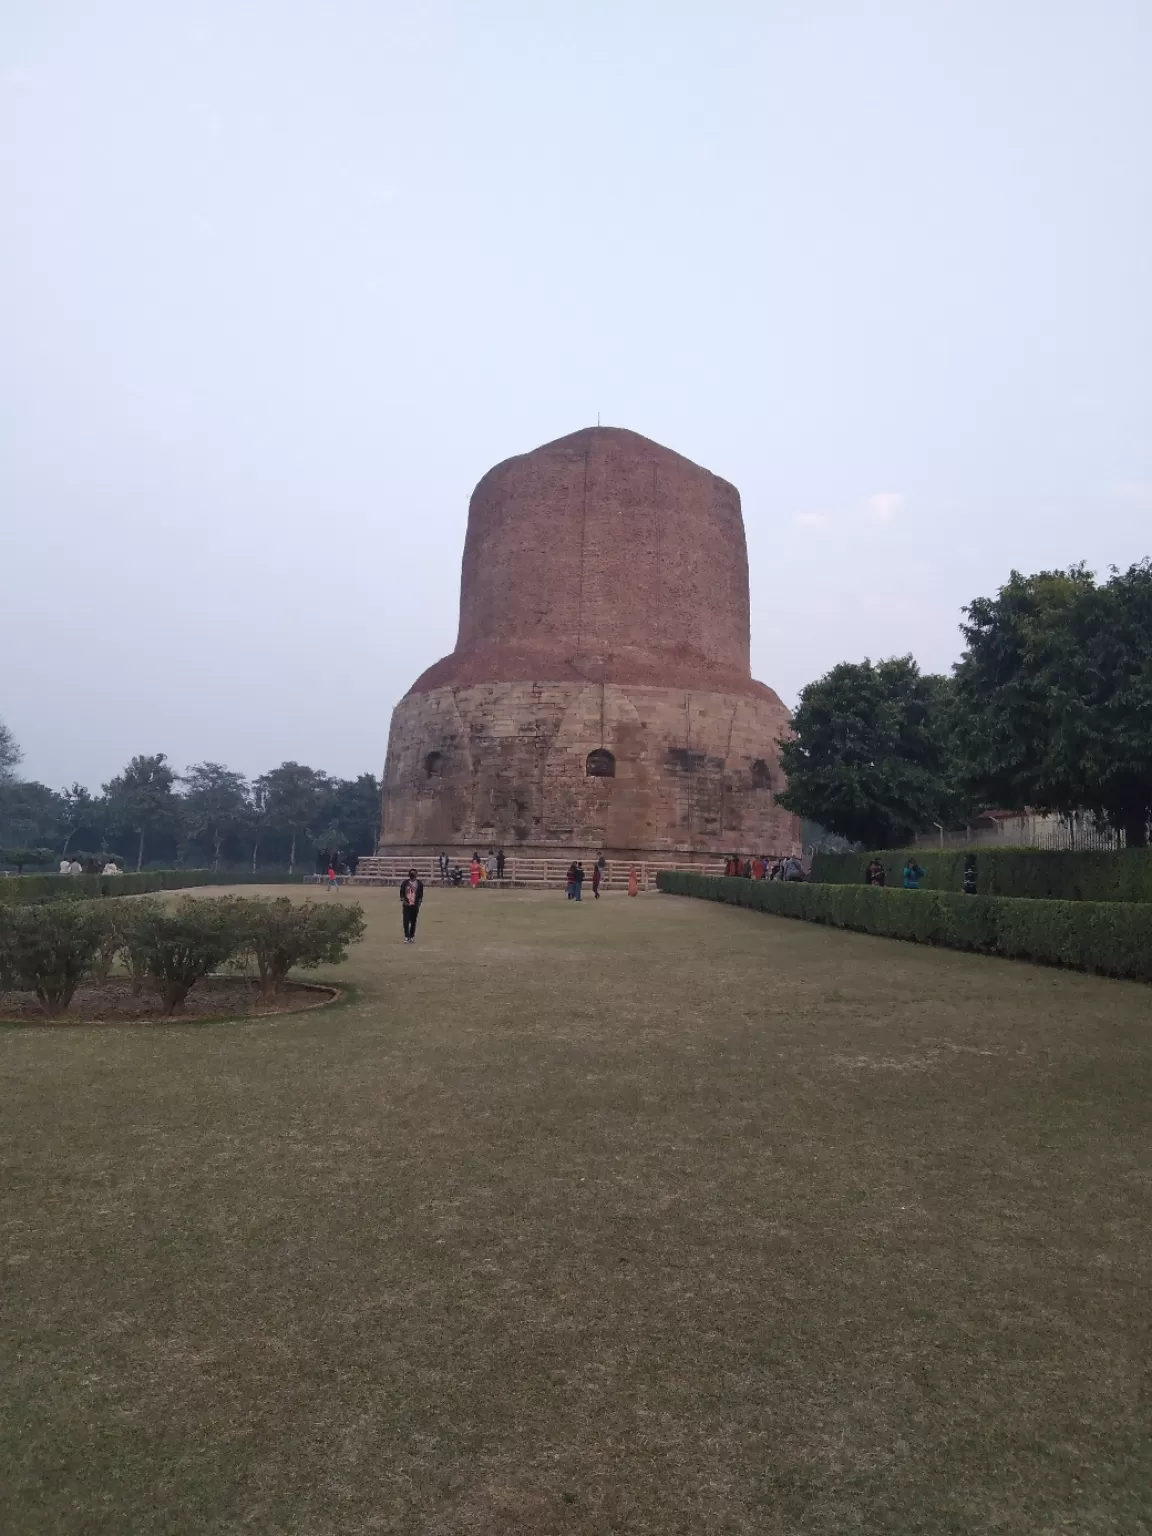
x,y
474,876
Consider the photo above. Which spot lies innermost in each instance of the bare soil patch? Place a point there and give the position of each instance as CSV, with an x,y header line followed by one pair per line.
x,y
216,997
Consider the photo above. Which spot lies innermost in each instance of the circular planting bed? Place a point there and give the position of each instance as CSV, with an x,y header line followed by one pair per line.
x,y
216,997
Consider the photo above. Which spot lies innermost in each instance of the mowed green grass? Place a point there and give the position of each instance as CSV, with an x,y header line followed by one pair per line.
x,y
646,1216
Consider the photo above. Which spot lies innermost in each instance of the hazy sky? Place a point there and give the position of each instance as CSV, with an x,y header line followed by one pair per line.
x,y
279,281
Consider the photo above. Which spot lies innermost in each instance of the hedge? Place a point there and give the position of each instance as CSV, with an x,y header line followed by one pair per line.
x,y
29,888
1113,938
1039,873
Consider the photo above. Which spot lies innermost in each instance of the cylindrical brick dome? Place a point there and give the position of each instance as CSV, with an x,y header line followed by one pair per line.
x,y
602,555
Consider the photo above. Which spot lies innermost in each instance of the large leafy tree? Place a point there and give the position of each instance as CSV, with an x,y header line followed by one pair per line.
x,y
10,754
141,800
31,815
83,817
292,799
350,818
1056,692
214,804
870,752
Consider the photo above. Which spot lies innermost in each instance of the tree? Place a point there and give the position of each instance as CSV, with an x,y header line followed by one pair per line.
x,y
10,754
293,800
1056,691
81,812
350,816
214,803
31,814
870,753
141,801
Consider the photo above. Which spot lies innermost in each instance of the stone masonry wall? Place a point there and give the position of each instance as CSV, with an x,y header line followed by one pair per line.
x,y
506,763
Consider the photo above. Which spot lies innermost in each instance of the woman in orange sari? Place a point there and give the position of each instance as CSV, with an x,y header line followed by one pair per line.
x,y
475,871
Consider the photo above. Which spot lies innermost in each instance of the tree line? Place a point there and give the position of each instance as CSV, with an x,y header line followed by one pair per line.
x,y
207,815
1048,709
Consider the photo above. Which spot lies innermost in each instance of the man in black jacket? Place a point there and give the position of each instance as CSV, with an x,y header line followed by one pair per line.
x,y
411,895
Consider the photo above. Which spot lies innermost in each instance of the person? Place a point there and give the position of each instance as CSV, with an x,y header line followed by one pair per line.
x,y
111,869
474,871
65,866
457,875
874,874
411,895
332,877
793,869
596,877
633,881
777,870
75,868
491,866
601,863
443,869
970,874
579,879
499,863
913,874
570,883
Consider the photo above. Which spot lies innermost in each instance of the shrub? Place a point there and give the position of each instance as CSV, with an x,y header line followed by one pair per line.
x,y
1114,937
29,888
49,949
280,934
177,946
1040,873
112,940
37,857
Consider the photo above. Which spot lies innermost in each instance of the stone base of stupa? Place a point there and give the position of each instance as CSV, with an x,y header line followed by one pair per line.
x,y
548,769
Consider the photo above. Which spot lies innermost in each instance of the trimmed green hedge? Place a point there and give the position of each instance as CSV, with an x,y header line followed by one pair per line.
x,y
1111,937
30,888
1039,873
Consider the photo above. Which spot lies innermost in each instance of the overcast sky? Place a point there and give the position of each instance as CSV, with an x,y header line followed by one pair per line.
x,y
280,281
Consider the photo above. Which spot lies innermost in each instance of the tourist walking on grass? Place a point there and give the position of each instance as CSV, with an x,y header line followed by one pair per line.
x,y
443,869
499,863
874,874
913,875
579,876
474,871
570,883
332,882
596,877
411,895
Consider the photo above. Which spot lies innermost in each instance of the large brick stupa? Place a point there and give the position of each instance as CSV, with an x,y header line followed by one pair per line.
x,y
600,694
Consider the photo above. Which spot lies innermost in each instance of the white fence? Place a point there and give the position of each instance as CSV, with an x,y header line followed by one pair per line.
x,y
382,869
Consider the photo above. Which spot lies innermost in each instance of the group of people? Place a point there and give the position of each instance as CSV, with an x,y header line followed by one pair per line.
x,y
761,867
491,867
336,862
74,867
913,874
574,879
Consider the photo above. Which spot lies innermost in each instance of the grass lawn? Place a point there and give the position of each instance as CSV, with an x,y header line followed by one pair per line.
x,y
648,1216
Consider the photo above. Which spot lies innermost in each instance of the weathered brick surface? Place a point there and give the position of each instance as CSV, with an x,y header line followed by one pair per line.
x,y
603,605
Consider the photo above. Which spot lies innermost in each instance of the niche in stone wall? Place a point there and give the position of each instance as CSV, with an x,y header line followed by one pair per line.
x,y
601,764
434,765
761,775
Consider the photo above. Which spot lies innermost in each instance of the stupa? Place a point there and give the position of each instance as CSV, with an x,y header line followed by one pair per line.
x,y
600,694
